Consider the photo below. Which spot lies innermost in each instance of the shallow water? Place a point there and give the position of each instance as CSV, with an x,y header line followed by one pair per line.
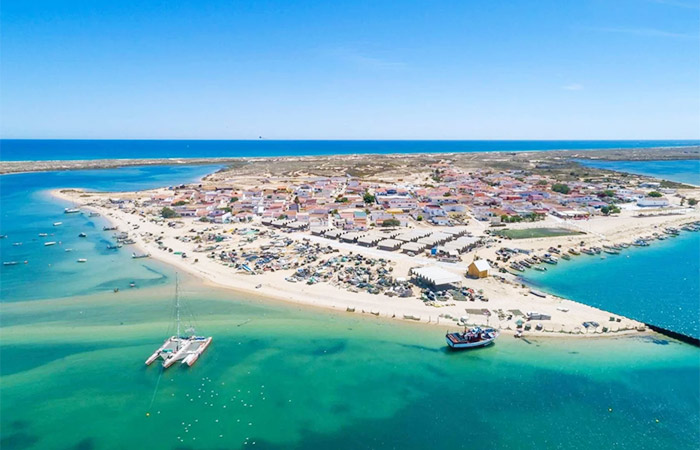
x,y
286,377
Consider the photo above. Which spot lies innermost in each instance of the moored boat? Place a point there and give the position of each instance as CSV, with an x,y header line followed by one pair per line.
x,y
71,210
184,348
471,338
47,244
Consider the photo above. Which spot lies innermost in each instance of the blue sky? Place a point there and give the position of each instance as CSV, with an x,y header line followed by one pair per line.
x,y
465,69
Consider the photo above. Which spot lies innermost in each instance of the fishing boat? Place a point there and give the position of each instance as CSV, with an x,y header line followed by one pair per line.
x,y
184,348
525,264
57,224
140,255
554,250
71,210
517,267
94,214
82,235
471,338
47,244
541,268
105,228
611,251
573,251
565,256
10,263
113,247
588,251
549,259
82,260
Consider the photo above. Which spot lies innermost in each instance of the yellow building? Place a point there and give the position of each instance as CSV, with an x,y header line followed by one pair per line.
x,y
479,268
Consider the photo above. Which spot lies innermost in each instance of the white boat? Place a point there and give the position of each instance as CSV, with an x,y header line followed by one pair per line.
x,y
187,349
71,210
471,338
140,255
46,244
57,224
82,260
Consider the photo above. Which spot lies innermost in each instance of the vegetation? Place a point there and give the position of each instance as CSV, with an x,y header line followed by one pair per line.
x,y
606,193
168,213
611,209
180,203
561,188
233,200
655,194
692,201
369,198
391,223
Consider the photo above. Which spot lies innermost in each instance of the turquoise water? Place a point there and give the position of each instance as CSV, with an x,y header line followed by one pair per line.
x,y
280,376
680,171
28,209
284,377
36,150
659,284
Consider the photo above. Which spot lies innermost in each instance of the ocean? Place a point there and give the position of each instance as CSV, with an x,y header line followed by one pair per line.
x,y
40,150
281,376
659,284
680,171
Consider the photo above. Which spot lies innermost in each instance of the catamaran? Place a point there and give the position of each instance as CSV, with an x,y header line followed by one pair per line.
x,y
185,348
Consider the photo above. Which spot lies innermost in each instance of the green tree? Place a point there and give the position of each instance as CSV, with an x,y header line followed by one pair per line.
x,y
692,201
391,223
180,203
655,194
561,188
369,198
168,213
233,200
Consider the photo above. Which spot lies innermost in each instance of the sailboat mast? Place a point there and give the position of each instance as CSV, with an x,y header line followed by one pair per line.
x,y
177,306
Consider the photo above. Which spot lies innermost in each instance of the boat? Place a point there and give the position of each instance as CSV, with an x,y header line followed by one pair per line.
x,y
517,267
554,250
82,260
140,255
57,224
113,247
10,263
588,251
541,268
611,251
550,260
71,210
573,251
108,228
94,214
525,264
69,250
184,348
471,338
565,256
3,236
16,244
46,244
43,234
82,235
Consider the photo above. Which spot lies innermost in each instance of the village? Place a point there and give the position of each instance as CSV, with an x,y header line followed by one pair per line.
x,y
444,243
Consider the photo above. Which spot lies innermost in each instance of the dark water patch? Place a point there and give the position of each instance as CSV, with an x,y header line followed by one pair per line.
x,y
326,350
18,441
20,358
422,347
85,444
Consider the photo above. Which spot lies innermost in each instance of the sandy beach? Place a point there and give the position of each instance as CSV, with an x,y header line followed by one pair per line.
x,y
509,294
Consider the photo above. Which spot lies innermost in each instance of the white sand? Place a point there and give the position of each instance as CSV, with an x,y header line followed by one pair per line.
x,y
502,295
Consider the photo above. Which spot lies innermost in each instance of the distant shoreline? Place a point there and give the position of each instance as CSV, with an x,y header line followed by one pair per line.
x,y
618,154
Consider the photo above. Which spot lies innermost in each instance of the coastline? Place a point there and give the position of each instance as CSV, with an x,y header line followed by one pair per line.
x,y
611,154
273,287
